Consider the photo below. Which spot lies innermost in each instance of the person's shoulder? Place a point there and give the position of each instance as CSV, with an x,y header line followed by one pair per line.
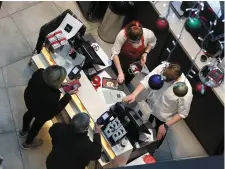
x,y
158,69
188,84
122,34
60,126
185,79
147,32
163,65
40,70
59,130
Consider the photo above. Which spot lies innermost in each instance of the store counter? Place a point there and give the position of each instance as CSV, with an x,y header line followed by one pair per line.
x,y
87,100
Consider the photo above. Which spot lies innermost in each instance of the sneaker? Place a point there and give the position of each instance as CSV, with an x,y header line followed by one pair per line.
x,y
22,134
36,144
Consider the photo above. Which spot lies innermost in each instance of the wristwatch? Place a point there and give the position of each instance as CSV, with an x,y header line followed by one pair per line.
x,y
146,52
166,127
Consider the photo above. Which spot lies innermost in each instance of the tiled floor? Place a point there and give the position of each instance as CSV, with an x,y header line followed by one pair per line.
x,y
19,27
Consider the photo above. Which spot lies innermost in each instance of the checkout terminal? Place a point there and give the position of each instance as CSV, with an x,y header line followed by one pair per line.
x,y
125,128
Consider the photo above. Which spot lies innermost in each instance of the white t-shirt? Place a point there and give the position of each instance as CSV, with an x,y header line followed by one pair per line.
x,y
149,38
163,103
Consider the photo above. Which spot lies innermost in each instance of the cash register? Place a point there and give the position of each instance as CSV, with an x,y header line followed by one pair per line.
x,y
121,121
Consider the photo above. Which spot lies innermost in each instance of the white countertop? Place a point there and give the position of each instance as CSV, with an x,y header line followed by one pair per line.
x,y
187,42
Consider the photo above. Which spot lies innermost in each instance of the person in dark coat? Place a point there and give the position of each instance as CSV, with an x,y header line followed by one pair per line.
x,y
42,99
71,146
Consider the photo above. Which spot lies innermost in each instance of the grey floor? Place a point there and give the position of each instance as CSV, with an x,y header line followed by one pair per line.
x,y
19,27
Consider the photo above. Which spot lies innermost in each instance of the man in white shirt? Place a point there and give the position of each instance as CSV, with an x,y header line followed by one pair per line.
x,y
132,44
166,107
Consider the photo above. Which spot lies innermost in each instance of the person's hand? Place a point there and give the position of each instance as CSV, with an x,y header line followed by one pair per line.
x,y
64,84
129,99
161,132
98,128
120,78
74,91
67,83
143,59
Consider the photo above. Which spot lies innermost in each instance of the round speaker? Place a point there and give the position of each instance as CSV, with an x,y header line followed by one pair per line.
x,y
156,82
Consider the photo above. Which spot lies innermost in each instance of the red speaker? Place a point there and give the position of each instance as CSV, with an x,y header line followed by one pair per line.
x,y
148,159
162,24
96,82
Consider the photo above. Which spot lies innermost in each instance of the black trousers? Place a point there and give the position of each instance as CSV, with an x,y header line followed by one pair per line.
x,y
158,124
35,128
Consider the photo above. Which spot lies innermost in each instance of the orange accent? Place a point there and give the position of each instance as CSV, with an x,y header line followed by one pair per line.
x,y
148,159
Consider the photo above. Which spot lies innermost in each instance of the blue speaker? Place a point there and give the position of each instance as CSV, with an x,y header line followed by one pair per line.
x,y
156,82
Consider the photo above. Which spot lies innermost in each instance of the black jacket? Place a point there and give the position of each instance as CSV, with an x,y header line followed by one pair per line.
x,y
43,101
71,150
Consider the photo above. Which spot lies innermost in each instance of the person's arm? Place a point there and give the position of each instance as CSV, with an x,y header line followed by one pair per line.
x,y
145,54
96,146
151,42
121,76
173,120
184,105
55,105
63,102
131,98
162,129
115,55
142,85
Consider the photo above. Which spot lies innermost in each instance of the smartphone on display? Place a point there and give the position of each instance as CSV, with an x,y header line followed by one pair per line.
x,y
75,73
103,118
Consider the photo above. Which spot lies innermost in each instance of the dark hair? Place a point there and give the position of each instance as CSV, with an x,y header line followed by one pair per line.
x,y
172,72
80,122
134,30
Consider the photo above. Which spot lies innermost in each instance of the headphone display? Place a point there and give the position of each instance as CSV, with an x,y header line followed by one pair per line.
x,y
156,81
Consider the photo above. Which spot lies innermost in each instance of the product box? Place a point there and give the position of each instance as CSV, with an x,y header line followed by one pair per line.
x,y
75,84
